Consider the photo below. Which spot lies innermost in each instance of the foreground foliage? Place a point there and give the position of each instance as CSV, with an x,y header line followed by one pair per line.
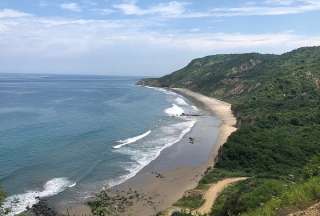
x,y
102,205
296,197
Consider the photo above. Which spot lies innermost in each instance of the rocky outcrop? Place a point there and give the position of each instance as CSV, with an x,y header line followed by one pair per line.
x,y
41,209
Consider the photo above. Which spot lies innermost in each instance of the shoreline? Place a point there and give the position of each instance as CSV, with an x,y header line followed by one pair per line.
x,y
219,108
179,169
164,192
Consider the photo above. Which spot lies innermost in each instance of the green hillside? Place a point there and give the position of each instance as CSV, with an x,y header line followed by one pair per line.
x,y
276,99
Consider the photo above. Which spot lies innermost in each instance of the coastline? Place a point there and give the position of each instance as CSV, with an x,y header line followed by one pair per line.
x,y
180,168
164,192
219,108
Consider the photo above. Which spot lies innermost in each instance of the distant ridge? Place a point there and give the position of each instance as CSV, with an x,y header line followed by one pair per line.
x,y
229,76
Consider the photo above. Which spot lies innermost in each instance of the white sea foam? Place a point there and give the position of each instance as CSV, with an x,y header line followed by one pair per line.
x,y
175,110
72,185
131,140
181,102
161,138
177,101
195,108
162,90
150,150
18,203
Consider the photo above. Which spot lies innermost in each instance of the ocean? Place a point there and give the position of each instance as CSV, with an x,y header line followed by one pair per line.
x,y
71,135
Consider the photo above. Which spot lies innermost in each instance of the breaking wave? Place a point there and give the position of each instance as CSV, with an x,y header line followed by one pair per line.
x,y
131,140
148,151
18,203
175,110
181,102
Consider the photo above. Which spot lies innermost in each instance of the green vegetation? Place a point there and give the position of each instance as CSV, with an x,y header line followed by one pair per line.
x,y
247,195
2,198
215,175
192,201
276,99
102,205
297,195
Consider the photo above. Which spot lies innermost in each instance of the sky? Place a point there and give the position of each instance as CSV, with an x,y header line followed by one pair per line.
x,y
146,37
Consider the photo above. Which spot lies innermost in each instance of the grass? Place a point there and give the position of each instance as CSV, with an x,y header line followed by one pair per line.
x,y
190,202
214,175
295,197
247,195
269,196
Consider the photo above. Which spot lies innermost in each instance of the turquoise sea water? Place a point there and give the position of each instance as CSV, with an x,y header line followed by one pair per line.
x,y
76,134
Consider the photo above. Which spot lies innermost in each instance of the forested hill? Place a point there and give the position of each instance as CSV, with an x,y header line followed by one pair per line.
x,y
276,99
234,75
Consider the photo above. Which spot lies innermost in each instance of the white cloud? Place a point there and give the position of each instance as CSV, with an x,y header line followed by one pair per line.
x,y
269,8
176,9
287,2
101,46
71,6
170,9
130,9
276,9
9,13
103,11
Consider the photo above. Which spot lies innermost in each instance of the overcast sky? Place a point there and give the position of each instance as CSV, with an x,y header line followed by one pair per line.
x,y
146,37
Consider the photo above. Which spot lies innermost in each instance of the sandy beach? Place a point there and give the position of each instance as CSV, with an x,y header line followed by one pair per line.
x,y
179,167
218,108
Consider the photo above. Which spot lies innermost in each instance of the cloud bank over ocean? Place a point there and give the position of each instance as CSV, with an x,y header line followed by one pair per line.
x,y
151,38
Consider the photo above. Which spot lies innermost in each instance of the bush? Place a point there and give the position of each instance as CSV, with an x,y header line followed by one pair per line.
x,y
190,202
216,174
296,196
247,195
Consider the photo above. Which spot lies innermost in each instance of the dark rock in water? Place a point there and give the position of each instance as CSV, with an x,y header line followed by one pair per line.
x,y
186,114
41,209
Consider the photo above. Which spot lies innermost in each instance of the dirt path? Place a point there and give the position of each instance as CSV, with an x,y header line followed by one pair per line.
x,y
213,192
